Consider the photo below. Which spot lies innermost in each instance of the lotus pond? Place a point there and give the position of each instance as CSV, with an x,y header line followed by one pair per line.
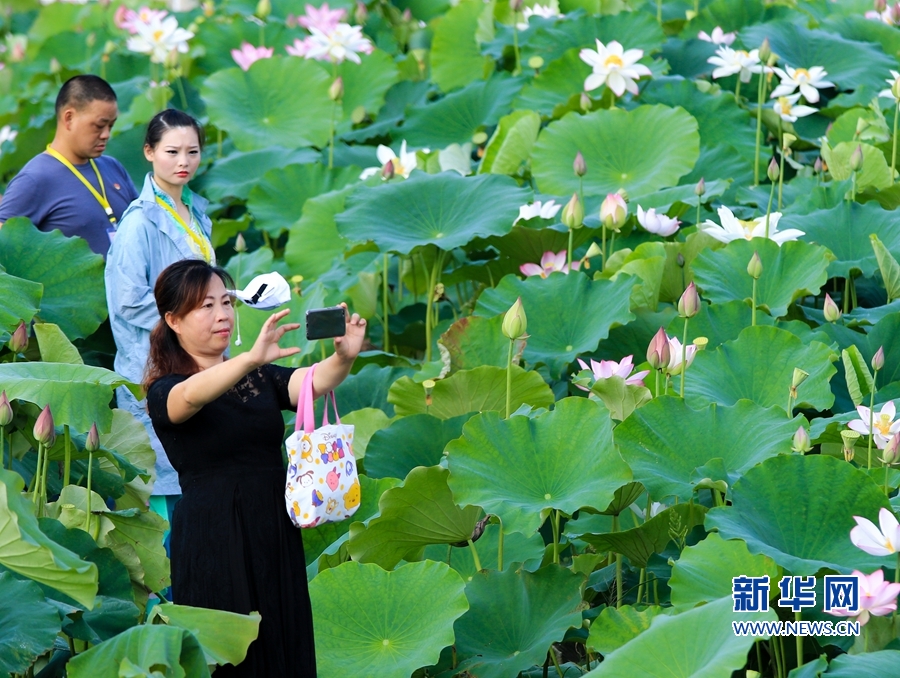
x,y
632,281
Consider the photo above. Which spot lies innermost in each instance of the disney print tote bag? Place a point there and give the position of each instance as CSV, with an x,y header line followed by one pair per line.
x,y
322,481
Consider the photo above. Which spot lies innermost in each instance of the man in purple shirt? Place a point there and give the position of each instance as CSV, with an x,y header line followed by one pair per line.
x,y
72,186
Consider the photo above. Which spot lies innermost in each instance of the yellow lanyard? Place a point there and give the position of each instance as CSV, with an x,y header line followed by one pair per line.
x,y
201,242
104,203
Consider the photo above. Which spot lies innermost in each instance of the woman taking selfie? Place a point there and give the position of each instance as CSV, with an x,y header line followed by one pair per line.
x,y
165,224
233,545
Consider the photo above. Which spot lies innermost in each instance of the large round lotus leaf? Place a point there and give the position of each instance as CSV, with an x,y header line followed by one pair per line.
x,y
699,642
237,173
555,84
419,512
621,148
28,624
445,209
861,29
845,230
849,64
703,572
128,437
417,440
368,388
759,366
314,241
794,270
511,143
71,274
517,548
473,341
513,618
882,663
518,467
558,332
224,636
20,299
365,84
369,622
282,101
477,390
614,627
278,198
456,59
456,117
799,511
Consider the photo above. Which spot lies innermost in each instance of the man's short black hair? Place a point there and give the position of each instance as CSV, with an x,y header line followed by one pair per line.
x,y
81,90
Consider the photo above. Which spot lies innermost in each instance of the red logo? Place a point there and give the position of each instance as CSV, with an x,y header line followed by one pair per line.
x,y
117,187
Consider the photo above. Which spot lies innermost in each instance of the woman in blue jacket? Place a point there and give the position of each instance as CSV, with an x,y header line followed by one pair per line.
x,y
167,223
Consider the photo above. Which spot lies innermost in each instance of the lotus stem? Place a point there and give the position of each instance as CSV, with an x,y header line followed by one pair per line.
x,y
737,91
640,591
871,428
618,580
3,438
760,97
602,251
684,356
331,136
853,188
555,662
753,309
429,302
262,34
659,18
780,167
759,661
384,304
894,150
475,556
887,492
556,536
509,360
775,643
658,372
769,207
799,640
500,547
36,481
518,68
219,143
697,222
87,518
612,244
569,260
68,462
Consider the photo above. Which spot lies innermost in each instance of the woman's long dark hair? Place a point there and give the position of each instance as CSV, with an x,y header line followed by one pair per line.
x,y
171,118
179,289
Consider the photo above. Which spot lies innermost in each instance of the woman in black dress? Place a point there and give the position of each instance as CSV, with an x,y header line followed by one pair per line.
x,y
233,545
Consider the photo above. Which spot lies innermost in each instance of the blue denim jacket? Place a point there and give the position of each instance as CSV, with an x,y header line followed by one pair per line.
x,y
146,242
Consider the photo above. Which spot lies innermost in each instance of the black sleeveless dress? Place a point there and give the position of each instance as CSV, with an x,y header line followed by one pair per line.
x,y
233,546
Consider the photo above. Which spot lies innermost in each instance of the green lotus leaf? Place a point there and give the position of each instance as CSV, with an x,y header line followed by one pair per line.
x,y
282,101
561,331
456,117
882,663
366,422
25,549
224,636
477,390
456,58
143,532
861,29
416,440
416,606
473,341
278,198
511,143
794,270
28,624
850,64
419,512
759,366
20,299
554,85
798,510
875,172
71,274
55,346
444,209
648,263
621,148
699,642
78,395
513,618
517,548
314,241
365,84
620,398
614,627
536,474
128,437
237,173
370,387
146,649
704,571
525,244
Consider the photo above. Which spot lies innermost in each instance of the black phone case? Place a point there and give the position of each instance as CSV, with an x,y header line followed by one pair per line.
x,y
324,323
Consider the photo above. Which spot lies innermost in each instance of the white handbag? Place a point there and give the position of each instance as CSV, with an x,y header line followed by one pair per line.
x,y
322,481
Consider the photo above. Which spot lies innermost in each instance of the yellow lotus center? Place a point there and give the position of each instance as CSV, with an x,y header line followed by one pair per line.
x,y
883,423
743,53
614,60
785,105
398,168
802,73
748,227
157,35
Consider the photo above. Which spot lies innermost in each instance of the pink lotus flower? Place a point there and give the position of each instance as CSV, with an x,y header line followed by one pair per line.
x,y
299,48
128,19
323,18
610,368
870,539
660,224
249,54
690,351
876,597
550,263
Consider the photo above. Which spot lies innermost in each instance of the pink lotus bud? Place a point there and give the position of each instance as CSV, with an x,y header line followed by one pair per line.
x,y
516,5
658,353
891,452
700,188
362,13
573,214
831,310
18,342
772,171
765,50
387,172
44,431
689,304
801,442
6,413
336,91
878,359
856,159
880,5
817,166
579,165
895,13
613,211
93,439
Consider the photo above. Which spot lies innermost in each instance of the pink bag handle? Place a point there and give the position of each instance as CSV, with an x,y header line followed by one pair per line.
x,y
305,401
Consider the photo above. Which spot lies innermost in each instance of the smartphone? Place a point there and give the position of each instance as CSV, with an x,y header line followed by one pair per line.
x,y
324,323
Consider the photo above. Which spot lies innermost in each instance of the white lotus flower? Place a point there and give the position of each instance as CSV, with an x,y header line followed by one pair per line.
x,y
158,38
403,163
549,11
613,66
733,228
735,61
718,36
893,83
674,367
788,110
344,42
659,224
873,541
546,210
7,133
810,81
883,423
610,368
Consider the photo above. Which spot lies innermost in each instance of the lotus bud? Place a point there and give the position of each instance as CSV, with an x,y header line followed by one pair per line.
x,y
679,260
878,359
362,13
91,39
831,310
336,91
658,353
514,322
55,66
754,268
18,342
700,188
801,442
92,444
895,13
880,5
579,165
772,171
891,452
895,88
765,51
593,251
263,9
516,5
856,159
817,166
585,102
6,413
849,437
689,304
573,214
387,172
613,211
44,431
240,245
